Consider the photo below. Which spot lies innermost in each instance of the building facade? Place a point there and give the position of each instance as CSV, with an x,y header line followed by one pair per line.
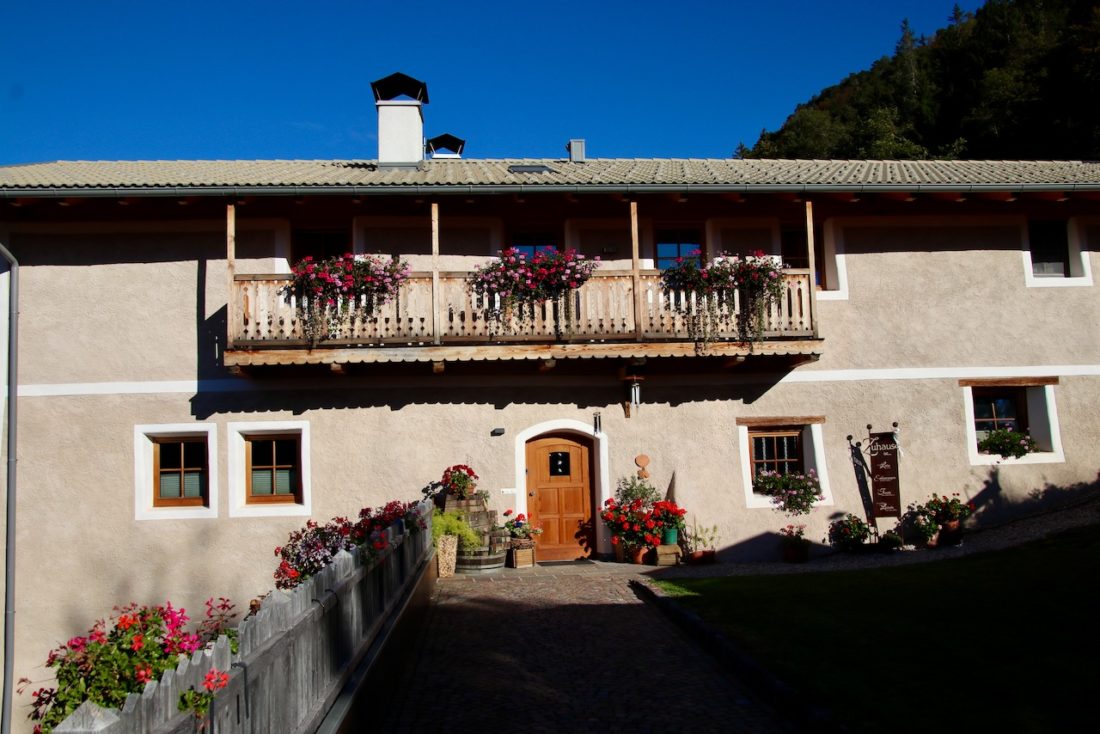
x,y
175,423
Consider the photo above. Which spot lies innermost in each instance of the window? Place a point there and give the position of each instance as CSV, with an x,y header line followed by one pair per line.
x,y
776,450
1056,253
792,242
175,471
673,244
320,243
785,445
274,466
999,408
528,243
1016,404
180,475
269,469
1049,243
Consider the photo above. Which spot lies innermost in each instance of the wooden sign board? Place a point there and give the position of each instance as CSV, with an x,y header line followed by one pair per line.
x,y
882,450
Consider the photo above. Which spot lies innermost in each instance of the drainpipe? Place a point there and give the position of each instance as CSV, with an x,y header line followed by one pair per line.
x,y
9,555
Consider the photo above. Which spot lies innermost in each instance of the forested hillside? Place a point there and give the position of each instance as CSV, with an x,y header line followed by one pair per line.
x,y
1018,79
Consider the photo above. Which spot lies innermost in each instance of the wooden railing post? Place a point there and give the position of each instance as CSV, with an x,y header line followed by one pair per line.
x,y
813,269
437,319
636,270
231,270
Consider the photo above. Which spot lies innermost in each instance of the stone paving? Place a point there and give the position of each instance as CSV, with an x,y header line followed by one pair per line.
x,y
564,649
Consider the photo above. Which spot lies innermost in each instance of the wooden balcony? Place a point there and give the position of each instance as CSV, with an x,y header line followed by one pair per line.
x,y
607,321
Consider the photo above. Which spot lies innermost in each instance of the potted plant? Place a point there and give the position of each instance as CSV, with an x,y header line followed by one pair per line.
x,y
938,521
700,544
631,527
849,533
890,541
667,518
796,549
513,285
449,533
1008,444
521,553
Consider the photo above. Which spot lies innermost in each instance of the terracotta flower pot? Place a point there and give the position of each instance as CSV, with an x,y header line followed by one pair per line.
x,y
637,555
701,557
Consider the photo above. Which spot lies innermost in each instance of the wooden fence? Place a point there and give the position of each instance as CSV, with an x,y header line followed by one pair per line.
x,y
294,656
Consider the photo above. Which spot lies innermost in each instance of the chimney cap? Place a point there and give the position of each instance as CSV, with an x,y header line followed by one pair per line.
x,y
396,85
446,141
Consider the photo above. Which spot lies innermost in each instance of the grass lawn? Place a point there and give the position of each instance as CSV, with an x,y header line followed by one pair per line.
x,y
1003,641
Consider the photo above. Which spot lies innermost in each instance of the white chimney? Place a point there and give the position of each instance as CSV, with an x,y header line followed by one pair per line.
x,y
399,99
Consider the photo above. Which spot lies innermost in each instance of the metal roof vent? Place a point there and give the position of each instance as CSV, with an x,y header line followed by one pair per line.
x,y
399,99
438,146
576,150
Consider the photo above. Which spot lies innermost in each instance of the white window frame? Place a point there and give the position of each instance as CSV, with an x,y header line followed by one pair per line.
x,y
238,487
143,471
1040,407
1080,268
813,455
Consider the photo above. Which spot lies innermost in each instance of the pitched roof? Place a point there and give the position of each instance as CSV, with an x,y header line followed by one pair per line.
x,y
624,175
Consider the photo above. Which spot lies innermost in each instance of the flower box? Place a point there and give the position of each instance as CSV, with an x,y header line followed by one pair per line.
x,y
521,557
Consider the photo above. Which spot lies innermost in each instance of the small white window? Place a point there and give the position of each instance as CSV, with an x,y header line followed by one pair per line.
x,y
175,471
1016,406
269,469
1054,254
781,444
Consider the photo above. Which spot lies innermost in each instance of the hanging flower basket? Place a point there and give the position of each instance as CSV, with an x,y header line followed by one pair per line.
x,y
706,295
513,286
328,294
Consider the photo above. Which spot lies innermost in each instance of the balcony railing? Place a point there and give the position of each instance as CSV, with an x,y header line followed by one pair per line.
x,y
603,311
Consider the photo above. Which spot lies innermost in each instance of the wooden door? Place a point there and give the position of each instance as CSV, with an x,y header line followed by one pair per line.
x,y
559,497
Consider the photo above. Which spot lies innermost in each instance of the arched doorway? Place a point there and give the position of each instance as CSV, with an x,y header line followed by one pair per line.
x,y
559,495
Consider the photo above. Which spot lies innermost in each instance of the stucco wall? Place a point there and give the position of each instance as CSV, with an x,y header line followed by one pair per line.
x,y
132,305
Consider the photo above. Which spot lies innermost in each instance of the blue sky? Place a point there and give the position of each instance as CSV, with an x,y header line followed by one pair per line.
x,y
122,79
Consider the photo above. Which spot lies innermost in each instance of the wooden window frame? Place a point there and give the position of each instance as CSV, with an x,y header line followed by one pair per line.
x,y
1018,395
273,499
774,432
203,500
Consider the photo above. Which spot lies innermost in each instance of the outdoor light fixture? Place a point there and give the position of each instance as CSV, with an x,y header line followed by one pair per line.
x,y
597,424
496,432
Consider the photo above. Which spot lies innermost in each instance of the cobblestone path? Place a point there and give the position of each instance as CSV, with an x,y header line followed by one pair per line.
x,y
563,652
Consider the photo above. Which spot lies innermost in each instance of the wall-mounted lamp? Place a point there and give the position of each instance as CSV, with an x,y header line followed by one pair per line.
x,y
597,424
496,432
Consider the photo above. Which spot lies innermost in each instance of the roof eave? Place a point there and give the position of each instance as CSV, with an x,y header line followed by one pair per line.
x,y
454,189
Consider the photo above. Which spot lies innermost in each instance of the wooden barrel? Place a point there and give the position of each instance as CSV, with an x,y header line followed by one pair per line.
x,y
480,561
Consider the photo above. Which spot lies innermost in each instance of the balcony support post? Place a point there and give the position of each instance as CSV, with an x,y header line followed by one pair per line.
x,y
437,336
812,263
636,270
231,271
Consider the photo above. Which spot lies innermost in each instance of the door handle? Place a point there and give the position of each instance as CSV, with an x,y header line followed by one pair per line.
x,y
530,494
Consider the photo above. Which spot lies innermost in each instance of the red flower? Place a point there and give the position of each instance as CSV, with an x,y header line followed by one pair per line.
x,y
138,643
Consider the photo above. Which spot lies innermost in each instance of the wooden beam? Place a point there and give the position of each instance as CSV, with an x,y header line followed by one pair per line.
x,y
812,263
437,318
1009,382
303,355
231,269
636,269
338,368
547,364
438,367
783,420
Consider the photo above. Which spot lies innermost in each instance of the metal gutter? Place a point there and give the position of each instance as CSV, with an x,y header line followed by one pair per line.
x,y
469,189
9,552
